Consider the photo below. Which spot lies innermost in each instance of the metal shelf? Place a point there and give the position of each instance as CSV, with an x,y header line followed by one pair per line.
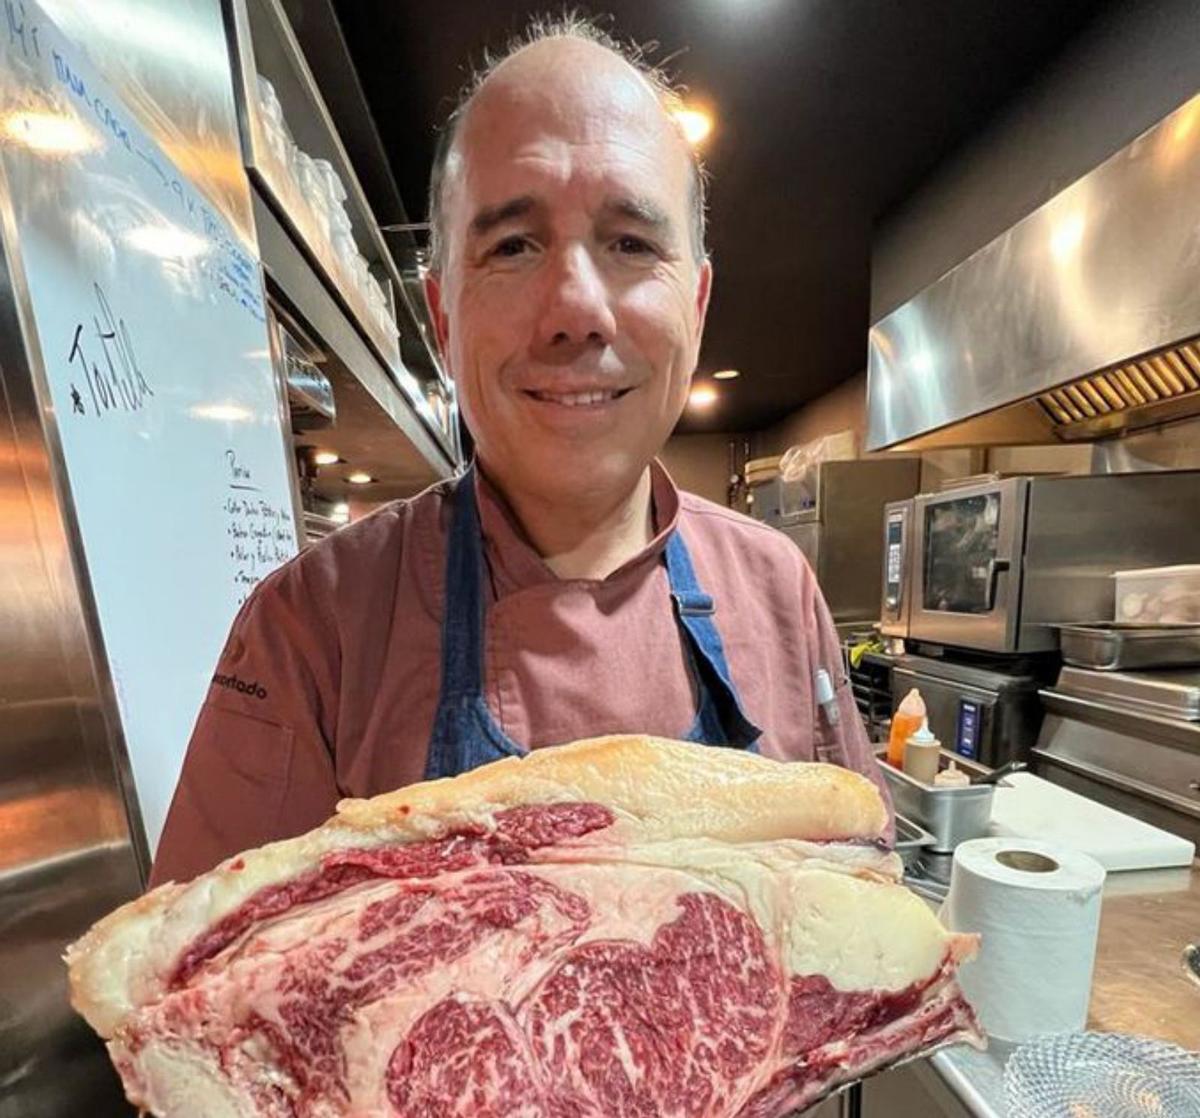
x,y
373,407
319,33
264,42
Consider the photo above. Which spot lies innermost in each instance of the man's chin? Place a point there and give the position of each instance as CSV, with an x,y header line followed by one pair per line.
x,y
569,479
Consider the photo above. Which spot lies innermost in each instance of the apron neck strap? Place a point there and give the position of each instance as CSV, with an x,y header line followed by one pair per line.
x,y
695,611
463,608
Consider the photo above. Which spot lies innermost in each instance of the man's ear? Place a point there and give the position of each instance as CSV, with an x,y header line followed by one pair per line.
x,y
703,294
437,313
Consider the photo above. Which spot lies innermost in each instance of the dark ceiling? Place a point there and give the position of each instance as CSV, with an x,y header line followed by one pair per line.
x,y
829,113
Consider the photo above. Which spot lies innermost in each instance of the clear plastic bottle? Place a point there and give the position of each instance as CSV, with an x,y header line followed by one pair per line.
x,y
908,717
951,777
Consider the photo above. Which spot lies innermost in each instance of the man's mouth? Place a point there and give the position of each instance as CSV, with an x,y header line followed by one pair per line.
x,y
578,399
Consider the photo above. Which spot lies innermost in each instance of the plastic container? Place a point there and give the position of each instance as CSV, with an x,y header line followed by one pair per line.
x,y
335,192
922,753
907,719
273,125
345,248
758,470
1159,595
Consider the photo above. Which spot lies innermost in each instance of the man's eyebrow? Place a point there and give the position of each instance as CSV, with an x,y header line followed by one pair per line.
x,y
490,216
642,210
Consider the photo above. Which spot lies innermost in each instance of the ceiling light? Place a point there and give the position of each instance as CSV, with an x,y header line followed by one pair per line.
x,y
359,477
49,133
326,457
703,396
227,413
727,374
696,124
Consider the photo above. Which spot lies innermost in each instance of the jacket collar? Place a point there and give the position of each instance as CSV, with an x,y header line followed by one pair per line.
x,y
514,561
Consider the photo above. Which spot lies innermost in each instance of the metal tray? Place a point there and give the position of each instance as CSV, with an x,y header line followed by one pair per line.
x,y
951,815
1113,646
911,839
1167,694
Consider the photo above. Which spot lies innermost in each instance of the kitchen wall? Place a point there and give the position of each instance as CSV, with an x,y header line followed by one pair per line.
x,y
841,409
1176,447
700,463
844,408
1072,459
1173,447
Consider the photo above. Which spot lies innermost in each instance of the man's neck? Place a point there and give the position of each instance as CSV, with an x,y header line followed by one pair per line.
x,y
591,539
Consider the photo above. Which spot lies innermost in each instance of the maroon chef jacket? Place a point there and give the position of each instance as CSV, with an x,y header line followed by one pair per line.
x,y
328,683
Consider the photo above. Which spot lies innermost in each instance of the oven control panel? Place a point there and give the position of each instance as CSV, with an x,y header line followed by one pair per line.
x,y
969,732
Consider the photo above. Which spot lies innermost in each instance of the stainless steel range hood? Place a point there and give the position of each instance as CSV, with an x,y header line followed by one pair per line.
x,y
1080,321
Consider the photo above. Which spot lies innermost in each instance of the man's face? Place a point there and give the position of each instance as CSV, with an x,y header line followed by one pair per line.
x,y
571,304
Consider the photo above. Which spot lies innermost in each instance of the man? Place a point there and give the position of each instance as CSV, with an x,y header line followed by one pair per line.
x,y
563,588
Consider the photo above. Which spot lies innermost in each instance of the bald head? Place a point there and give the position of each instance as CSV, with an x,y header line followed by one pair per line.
x,y
572,81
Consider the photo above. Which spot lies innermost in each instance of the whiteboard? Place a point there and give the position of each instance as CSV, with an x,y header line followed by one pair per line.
x,y
150,319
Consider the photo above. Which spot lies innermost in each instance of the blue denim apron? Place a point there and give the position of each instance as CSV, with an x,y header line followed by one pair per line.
x,y
464,733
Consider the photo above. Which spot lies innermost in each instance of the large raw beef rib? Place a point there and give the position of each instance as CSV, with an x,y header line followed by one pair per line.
x,y
619,928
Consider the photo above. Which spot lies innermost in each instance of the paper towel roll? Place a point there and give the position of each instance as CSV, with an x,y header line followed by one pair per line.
x,y
1037,906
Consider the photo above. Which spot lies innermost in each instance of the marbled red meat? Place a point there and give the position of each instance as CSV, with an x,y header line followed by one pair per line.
x,y
542,960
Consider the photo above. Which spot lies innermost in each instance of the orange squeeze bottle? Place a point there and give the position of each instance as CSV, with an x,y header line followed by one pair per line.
x,y
907,720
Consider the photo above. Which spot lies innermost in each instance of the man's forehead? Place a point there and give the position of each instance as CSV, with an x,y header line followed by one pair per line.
x,y
570,108
568,84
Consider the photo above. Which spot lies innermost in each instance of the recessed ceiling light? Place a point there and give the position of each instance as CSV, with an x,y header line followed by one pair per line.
x,y
359,478
326,457
727,374
696,124
703,396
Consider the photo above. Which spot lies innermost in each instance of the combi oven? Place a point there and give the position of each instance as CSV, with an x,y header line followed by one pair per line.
x,y
995,564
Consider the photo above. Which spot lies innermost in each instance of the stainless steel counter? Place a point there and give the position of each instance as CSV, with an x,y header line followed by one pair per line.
x,y
1147,918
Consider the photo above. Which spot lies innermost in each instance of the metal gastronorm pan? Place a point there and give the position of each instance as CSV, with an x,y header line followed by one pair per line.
x,y
1113,646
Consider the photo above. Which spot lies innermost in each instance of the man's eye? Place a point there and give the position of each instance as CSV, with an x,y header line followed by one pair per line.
x,y
511,246
632,246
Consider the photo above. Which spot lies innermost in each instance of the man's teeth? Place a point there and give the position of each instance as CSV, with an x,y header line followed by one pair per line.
x,y
578,399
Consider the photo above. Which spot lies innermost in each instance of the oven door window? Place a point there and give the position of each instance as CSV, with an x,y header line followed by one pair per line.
x,y
961,541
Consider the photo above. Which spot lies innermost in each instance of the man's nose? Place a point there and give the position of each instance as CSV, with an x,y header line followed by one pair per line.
x,y
575,315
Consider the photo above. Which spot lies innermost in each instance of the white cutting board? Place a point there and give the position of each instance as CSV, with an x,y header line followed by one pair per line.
x,y
1035,808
